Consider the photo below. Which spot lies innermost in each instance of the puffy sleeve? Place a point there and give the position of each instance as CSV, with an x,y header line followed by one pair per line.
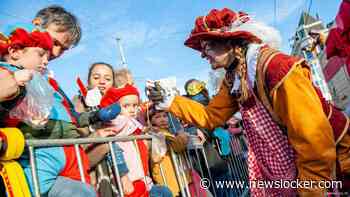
x,y
297,104
218,111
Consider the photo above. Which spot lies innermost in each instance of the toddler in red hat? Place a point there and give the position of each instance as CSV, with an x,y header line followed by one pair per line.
x,y
126,124
24,57
22,53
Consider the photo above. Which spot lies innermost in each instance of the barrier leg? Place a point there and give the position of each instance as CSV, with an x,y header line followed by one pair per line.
x,y
80,163
162,173
34,174
183,171
177,172
115,167
209,173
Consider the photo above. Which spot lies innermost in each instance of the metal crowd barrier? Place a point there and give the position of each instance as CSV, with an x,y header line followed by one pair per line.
x,y
182,163
235,161
238,162
32,144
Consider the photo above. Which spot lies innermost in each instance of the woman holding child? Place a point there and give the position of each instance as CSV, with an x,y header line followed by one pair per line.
x,y
102,77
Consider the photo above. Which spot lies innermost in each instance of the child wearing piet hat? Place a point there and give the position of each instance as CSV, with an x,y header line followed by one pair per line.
x,y
126,124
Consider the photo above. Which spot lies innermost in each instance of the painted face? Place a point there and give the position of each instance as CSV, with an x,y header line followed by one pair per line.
x,y
61,40
217,53
101,77
129,105
160,119
34,58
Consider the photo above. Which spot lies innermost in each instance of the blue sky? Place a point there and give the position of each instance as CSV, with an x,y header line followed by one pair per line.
x,y
152,32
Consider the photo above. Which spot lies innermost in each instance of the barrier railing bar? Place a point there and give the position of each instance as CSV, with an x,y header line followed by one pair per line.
x,y
140,159
177,172
162,173
209,173
189,158
61,142
80,163
115,166
76,142
189,164
240,160
34,174
199,163
236,166
183,172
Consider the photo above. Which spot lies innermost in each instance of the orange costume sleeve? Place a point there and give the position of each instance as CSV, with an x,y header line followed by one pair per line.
x,y
296,102
220,109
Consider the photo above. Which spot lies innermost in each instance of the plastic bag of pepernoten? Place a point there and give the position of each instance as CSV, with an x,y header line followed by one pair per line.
x,y
36,106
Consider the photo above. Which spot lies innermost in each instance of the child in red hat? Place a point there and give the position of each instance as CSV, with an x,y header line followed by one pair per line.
x,y
126,124
25,53
21,53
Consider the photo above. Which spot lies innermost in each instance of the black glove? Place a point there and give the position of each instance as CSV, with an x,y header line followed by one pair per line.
x,y
155,93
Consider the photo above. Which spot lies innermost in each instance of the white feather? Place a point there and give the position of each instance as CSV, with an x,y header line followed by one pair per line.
x,y
267,34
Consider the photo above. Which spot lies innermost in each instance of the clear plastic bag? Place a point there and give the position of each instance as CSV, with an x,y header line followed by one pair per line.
x,y
36,106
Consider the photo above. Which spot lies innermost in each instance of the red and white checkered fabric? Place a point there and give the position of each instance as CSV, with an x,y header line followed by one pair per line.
x,y
270,156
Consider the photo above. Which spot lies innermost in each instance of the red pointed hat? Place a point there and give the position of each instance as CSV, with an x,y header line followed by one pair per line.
x,y
113,95
22,38
219,24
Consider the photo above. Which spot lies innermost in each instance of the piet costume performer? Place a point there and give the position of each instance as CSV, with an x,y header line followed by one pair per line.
x,y
283,113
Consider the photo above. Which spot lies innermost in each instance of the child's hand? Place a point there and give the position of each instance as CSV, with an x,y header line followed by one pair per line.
x,y
155,129
146,129
128,187
180,142
183,137
105,132
201,136
23,76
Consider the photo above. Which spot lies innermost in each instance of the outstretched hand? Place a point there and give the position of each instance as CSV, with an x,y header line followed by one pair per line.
x,y
154,91
160,96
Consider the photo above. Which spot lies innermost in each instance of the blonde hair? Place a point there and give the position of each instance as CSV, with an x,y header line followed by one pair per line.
x,y
123,76
244,89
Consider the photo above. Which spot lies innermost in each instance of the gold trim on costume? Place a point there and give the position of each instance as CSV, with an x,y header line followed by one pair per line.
x,y
288,73
266,56
330,112
345,130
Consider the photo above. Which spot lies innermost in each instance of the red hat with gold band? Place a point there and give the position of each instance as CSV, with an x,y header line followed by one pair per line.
x,y
113,95
21,38
227,24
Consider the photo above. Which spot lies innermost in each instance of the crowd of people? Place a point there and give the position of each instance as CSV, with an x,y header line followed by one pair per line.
x,y
269,89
